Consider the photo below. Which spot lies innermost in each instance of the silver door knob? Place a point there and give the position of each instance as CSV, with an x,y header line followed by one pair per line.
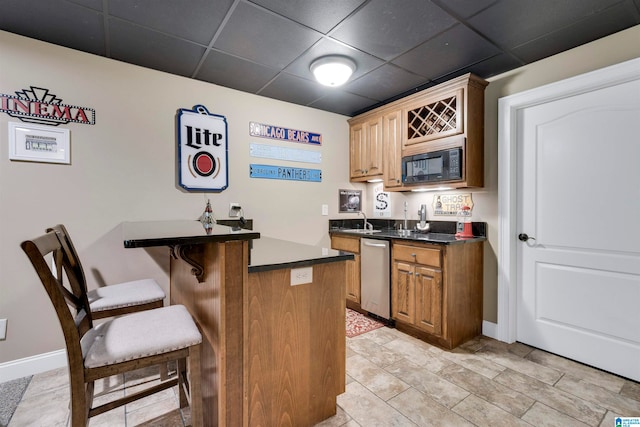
x,y
523,237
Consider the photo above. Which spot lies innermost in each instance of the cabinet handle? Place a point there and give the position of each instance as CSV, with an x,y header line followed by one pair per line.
x,y
417,274
413,255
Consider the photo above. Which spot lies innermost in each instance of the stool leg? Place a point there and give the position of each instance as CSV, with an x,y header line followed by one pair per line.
x,y
195,386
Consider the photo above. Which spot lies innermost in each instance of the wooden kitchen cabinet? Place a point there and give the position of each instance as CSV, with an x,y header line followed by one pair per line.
x,y
436,291
447,116
350,244
365,149
392,146
434,116
416,290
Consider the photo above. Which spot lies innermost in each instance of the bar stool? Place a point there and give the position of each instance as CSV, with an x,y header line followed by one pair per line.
x,y
119,345
116,299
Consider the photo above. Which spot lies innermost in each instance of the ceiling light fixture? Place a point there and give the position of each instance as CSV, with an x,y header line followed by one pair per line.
x,y
333,70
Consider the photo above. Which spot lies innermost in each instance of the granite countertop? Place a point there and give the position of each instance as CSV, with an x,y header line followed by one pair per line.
x,y
436,238
265,253
143,234
271,254
441,232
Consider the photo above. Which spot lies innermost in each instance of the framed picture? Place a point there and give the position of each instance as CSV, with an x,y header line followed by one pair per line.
x,y
350,201
34,143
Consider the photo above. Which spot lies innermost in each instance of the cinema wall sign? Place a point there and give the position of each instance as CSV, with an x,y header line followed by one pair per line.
x,y
202,150
38,105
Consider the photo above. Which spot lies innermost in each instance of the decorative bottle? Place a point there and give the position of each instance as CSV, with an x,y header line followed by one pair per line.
x,y
206,218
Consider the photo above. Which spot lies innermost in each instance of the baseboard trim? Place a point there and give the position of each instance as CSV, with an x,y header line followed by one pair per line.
x,y
490,329
32,365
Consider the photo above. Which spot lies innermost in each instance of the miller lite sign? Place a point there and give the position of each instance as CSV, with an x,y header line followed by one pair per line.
x,y
202,150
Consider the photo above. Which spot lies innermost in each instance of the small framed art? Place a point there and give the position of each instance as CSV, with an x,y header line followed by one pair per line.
x,y
34,143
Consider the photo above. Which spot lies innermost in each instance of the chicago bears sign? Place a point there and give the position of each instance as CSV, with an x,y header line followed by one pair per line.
x,y
202,150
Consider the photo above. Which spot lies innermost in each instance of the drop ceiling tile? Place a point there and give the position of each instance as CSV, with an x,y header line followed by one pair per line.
x,y
294,89
495,65
197,22
327,46
136,45
93,4
456,48
319,15
384,82
612,20
55,21
386,30
226,70
465,8
263,37
511,23
342,103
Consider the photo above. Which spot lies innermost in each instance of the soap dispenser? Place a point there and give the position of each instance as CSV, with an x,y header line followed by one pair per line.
x,y
423,225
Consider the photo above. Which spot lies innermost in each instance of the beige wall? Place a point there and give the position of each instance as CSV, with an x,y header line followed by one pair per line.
x,y
123,169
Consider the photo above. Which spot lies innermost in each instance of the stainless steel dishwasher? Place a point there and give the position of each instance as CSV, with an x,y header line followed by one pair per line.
x,y
374,277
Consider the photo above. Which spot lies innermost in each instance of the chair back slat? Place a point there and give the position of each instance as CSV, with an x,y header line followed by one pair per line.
x,y
71,306
77,280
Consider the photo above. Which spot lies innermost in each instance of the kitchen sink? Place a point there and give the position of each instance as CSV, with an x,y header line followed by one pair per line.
x,y
360,231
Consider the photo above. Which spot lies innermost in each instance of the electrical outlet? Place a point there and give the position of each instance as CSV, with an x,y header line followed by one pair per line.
x,y
325,209
300,276
3,329
234,210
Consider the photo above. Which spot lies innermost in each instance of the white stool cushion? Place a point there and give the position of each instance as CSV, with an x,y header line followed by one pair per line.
x,y
137,335
125,294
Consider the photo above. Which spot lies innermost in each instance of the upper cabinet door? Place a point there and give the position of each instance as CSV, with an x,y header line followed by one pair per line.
x,y
392,146
356,148
432,118
365,149
373,147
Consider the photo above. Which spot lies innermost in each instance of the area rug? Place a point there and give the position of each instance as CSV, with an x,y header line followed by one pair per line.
x,y
358,324
10,394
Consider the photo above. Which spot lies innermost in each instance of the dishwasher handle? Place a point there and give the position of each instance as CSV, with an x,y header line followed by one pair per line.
x,y
375,245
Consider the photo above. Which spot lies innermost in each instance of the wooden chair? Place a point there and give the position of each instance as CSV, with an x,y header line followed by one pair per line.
x,y
117,299
122,344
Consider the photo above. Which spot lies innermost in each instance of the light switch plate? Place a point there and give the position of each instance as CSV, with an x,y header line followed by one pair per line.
x,y
300,276
3,329
325,209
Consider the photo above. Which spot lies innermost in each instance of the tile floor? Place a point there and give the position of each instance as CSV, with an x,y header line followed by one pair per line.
x,y
396,380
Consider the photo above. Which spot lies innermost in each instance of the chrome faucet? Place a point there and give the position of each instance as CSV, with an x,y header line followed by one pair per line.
x,y
367,224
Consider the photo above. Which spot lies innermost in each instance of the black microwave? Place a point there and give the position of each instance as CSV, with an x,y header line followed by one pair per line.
x,y
443,165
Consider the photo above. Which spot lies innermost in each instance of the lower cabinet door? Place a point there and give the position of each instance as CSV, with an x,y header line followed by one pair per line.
x,y
428,295
353,279
403,292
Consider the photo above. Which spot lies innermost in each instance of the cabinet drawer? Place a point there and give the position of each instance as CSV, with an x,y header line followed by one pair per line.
x,y
343,243
420,255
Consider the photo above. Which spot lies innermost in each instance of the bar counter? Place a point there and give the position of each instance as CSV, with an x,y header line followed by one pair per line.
x,y
265,336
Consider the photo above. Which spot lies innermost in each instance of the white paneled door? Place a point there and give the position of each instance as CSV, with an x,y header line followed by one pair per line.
x,y
578,227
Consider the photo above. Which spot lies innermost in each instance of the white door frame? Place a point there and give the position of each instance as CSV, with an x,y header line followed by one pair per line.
x,y
509,108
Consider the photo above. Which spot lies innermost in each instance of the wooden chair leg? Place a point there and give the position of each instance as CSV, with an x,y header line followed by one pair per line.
x,y
164,372
182,375
81,397
195,386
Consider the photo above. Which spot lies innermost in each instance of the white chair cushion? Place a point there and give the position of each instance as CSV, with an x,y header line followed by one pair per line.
x,y
125,294
137,335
